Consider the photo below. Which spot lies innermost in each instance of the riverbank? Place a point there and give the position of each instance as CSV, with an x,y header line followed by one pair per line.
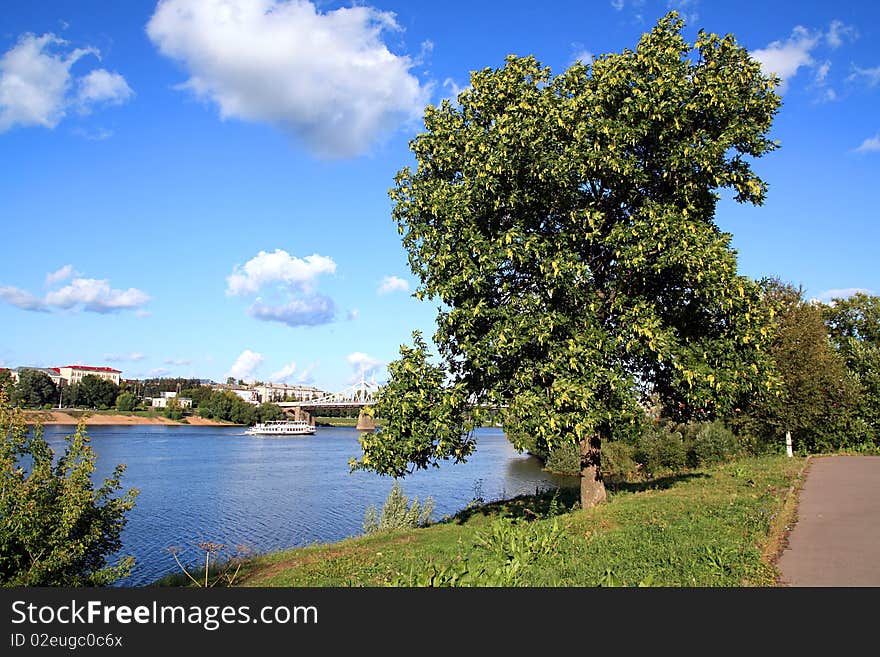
x,y
721,526
115,418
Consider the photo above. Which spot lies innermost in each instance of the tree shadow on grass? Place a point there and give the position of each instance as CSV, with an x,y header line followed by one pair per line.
x,y
544,504
660,483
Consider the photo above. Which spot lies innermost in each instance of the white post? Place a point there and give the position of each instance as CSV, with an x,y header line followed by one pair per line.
x,y
788,451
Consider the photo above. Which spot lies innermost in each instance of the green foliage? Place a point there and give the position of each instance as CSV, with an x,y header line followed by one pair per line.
x,y
398,513
854,326
92,391
7,385
34,389
566,226
425,419
173,409
126,402
817,395
55,528
225,405
618,462
714,443
661,448
564,459
268,412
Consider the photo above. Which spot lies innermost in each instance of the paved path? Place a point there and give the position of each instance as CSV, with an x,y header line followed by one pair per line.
x,y
836,540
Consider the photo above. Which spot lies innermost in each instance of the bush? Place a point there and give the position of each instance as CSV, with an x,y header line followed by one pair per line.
x,y
660,448
55,528
564,460
618,464
398,513
714,443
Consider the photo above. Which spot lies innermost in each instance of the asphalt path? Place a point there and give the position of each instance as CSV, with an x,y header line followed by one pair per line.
x,y
836,538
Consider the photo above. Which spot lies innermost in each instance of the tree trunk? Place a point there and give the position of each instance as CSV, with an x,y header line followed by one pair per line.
x,y
592,486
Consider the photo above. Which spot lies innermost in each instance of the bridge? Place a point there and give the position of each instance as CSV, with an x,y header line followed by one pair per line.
x,y
357,396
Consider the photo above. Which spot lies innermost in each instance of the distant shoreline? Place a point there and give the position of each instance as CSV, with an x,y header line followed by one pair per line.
x,y
61,417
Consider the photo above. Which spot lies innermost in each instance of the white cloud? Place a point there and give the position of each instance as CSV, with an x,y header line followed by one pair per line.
x,y
785,58
59,275
178,361
313,310
391,284
22,299
102,86
142,313
277,267
284,374
585,57
327,78
94,134
838,32
363,365
871,144
822,72
158,372
295,280
618,4
843,293
118,358
353,314
36,83
871,75
306,377
245,365
94,295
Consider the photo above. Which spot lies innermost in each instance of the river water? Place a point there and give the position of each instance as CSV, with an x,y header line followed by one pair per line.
x,y
217,484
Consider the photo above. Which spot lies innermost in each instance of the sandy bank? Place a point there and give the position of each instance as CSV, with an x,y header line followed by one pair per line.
x,y
60,417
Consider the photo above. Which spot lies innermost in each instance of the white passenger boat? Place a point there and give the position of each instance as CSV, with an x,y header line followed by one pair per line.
x,y
281,428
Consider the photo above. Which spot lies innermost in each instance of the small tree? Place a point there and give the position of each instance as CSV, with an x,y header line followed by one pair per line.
x,y
126,402
55,528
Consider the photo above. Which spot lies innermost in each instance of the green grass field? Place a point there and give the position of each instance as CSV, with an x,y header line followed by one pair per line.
x,y
718,526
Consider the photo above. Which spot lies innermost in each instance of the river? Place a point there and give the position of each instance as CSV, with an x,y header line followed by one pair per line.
x,y
217,484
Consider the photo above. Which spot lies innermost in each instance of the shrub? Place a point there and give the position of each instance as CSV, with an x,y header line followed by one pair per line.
x,y
565,460
618,464
714,443
55,528
661,448
398,513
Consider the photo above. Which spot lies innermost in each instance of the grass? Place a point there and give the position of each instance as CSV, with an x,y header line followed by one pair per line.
x,y
718,526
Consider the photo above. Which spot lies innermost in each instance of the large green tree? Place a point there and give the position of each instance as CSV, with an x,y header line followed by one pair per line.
x,y
817,396
92,391
854,327
566,225
34,389
56,529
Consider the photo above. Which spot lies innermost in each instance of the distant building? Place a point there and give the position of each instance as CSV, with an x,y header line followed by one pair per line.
x,y
250,396
162,401
74,373
279,392
51,372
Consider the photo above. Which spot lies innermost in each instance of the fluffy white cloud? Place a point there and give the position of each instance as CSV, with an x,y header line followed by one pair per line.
x,y
784,58
94,295
363,365
245,365
870,144
391,284
306,377
36,83
313,310
101,86
277,267
59,275
117,358
294,279
327,78
822,72
283,375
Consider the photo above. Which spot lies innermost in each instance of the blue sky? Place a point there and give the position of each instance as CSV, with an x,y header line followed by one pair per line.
x,y
200,189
